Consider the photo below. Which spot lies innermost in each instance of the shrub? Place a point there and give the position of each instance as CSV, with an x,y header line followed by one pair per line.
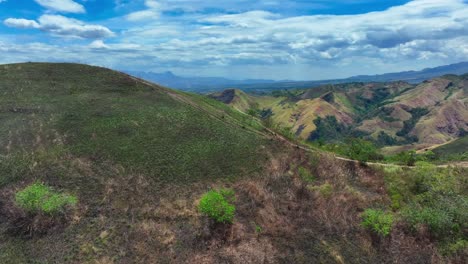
x,y
326,189
218,205
363,150
377,221
306,175
439,221
39,198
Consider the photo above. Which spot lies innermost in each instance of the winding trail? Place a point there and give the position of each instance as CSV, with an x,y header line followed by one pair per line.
x,y
270,133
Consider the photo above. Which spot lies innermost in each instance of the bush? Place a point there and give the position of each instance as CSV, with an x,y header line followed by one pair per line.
x,y
439,221
363,150
306,175
39,198
218,205
326,189
377,221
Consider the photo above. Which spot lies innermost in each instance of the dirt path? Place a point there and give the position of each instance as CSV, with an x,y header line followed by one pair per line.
x,y
270,132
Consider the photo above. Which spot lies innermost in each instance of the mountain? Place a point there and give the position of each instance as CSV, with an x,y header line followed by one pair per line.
x,y
194,84
128,164
211,84
413,116
415,76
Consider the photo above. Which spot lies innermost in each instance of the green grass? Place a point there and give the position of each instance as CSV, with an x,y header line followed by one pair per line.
x,y
106,116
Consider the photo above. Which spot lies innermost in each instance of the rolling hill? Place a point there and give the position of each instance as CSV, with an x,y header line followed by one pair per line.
x,y
138,156
412,116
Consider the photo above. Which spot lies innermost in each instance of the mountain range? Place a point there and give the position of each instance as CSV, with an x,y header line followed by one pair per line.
x,y
210,84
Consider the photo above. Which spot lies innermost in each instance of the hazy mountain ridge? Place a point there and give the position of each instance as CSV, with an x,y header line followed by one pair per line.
x,y
207,84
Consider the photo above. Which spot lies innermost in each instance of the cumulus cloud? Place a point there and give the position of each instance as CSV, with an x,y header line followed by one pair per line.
x,y
62,26
67,6
274,43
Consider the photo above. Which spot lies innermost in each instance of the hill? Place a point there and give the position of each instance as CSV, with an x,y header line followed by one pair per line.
x,y
390,113
134,158
455,150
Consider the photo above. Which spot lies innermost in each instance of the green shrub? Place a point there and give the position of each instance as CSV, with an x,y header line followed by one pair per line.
x,y
306,175
362,150
218,205
377,221
439,221
326,189
39,198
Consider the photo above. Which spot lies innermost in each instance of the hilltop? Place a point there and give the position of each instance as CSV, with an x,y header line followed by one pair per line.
x,y
136,157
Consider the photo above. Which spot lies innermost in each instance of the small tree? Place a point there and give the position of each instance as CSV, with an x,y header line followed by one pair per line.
x,y
218,205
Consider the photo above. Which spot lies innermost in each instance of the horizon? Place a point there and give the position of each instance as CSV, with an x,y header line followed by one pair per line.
x,y
287,40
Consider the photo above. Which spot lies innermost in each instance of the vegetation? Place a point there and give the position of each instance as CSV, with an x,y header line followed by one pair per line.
x,y
362,150
306,175
329,130
383,139
40,198
218,205
106,116
432,198
378,221
409,158
408,125
456,150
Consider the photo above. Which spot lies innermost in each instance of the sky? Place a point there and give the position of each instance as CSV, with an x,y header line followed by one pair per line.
x,y
238,39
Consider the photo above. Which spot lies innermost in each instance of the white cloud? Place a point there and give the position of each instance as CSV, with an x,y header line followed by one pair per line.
x,y
152,4
152,12
62,26
142,15
67,6
274,44
98,44
20,23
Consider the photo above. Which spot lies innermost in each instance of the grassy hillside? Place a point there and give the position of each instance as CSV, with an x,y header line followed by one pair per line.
x,y
102,115
110,138
99,167
456,150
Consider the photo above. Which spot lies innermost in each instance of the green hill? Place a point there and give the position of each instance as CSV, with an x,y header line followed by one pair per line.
x,y
105,116
114,141
456,150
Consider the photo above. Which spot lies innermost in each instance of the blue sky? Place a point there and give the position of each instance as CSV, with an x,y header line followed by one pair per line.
x,y
273,39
